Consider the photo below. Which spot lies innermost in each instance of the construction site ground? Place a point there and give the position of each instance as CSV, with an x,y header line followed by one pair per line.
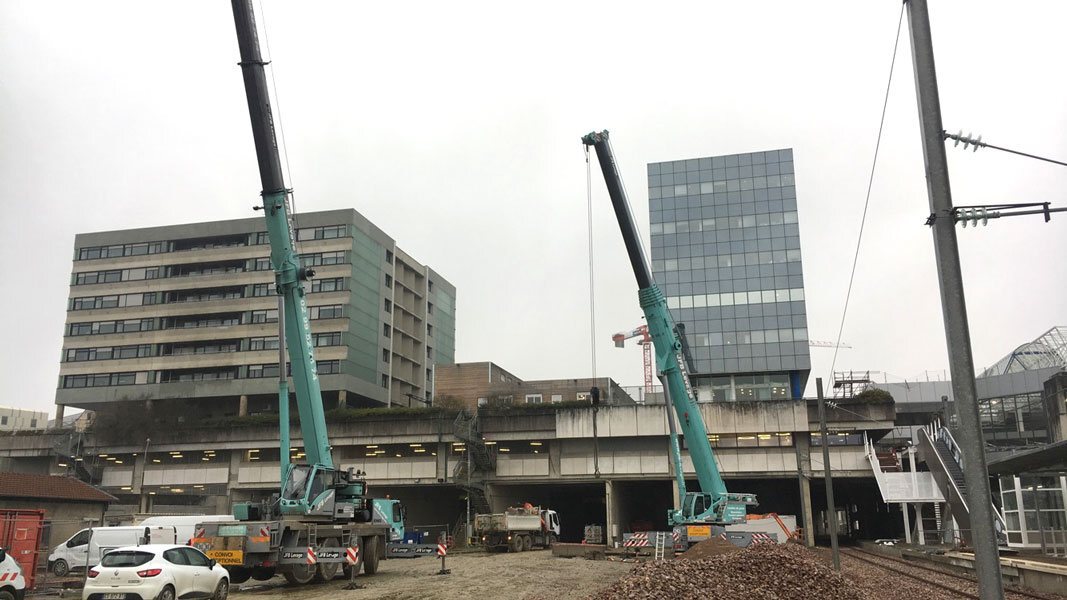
x,y
534,575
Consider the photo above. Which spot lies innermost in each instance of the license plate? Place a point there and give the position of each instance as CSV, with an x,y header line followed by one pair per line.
x,y
226,557
114,596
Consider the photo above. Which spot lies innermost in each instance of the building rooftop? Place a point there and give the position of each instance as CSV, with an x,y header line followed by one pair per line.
x,y
1048,350
50,487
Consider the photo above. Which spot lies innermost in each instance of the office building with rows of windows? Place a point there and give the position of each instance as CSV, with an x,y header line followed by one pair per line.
x,y
186,317
726,252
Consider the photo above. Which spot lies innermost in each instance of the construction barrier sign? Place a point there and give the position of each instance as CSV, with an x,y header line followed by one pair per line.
x,y
227,557
441,550
698,531
352,555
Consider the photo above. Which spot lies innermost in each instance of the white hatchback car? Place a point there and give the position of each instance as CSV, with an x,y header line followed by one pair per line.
x,y
156,572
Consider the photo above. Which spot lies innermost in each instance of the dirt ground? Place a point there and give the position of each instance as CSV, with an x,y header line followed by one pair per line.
x,y
534,575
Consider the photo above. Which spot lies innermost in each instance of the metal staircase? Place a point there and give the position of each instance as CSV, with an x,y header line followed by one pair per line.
x,y
945,460
471,470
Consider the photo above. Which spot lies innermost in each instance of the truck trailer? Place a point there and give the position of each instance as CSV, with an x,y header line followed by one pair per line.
x,y
517,528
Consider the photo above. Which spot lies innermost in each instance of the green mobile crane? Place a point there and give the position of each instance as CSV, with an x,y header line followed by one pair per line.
x,y
713,504
322,512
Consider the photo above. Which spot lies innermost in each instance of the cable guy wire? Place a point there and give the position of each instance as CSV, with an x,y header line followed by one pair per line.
x,y
870,184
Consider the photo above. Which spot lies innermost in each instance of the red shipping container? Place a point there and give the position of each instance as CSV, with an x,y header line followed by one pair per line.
x,y
20,535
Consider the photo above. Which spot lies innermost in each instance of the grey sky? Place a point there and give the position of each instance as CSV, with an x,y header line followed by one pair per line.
x,y
455,127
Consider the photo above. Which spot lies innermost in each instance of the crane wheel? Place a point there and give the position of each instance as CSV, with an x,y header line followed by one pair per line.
x,y
298,574
516,544
327,571
369,554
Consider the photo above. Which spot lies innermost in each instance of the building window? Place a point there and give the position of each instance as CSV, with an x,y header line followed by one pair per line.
x,y
388,281
265,316
429,285
321,233
385,381
483,401
429,330
263,343
328,367
333,311
327,339
582,396
385,355
261,264
3,420
262,289
429,352
387,331
333,284
533,398
388,256
557,398
429,308
388,305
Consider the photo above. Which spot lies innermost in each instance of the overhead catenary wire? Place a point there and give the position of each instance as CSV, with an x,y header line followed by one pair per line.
x,y
870,185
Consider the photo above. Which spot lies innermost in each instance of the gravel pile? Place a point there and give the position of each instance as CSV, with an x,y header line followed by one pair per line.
x,y
763,572
715,546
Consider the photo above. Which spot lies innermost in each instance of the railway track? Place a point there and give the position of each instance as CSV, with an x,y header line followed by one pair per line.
x,y
920,573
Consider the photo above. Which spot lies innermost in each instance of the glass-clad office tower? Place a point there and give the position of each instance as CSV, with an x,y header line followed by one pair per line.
x,y
726,251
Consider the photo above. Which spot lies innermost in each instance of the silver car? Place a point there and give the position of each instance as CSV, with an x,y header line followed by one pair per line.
x,y
156,572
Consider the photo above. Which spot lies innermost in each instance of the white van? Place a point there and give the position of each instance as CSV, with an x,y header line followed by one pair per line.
x,y
184,525
12,582
88,545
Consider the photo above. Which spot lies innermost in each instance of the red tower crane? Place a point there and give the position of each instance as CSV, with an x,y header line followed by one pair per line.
x,y
646,346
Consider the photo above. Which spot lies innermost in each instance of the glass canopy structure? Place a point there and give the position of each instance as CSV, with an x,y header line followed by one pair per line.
x,y
1048,350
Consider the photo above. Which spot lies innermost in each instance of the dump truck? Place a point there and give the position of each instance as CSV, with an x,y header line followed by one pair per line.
x,y
517,528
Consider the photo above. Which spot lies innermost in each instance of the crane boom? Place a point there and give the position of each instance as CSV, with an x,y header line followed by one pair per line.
x,y
713,504
315,488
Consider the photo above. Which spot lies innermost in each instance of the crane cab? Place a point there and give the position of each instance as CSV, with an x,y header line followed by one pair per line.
x,y
698,507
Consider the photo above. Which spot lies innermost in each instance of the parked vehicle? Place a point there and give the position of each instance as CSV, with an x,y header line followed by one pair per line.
x,y
517,528
87,546
184,525
158,571
12,581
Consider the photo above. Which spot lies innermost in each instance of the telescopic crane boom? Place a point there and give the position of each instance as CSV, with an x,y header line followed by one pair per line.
x,y
713,503
316,488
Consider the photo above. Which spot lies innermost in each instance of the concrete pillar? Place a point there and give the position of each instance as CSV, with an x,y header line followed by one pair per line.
x,y
611,512
59,416
919,523
555,450
146,503
443,473
139,463
806,515
236,457
907,522
242,406
802,444
342,399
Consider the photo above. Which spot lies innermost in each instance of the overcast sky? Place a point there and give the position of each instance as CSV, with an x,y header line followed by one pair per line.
x,y
455,128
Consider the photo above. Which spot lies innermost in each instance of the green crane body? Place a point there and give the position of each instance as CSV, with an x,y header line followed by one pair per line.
x,y
713,504
315,488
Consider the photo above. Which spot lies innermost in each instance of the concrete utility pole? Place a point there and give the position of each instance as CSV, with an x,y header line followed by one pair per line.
x,y
954,307
831,508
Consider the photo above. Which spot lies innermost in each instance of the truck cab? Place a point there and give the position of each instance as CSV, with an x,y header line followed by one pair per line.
x,y
390,512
